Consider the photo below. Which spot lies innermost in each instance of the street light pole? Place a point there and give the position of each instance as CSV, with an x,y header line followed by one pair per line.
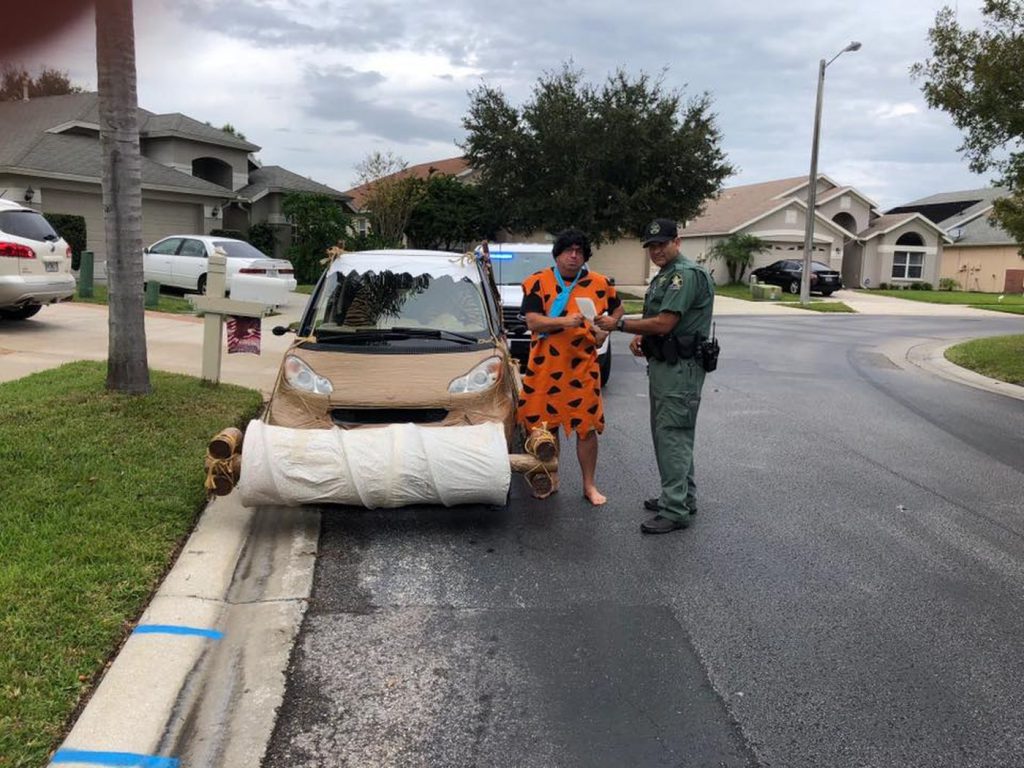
x,y
812,179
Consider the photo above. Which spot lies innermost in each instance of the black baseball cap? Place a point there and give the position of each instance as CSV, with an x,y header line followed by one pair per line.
x,y
660,231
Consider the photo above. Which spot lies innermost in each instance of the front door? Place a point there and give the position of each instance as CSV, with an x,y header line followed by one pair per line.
x,y
1014,281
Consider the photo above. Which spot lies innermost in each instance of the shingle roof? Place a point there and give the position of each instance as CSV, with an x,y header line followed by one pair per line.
x,y
452,166
735,206
274,178
182,126
965,211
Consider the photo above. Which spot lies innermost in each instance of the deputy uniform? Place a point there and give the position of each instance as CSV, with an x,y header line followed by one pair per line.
x,y
686,289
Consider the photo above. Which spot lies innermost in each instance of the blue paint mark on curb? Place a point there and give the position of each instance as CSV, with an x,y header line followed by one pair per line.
x,y
174,629
114,758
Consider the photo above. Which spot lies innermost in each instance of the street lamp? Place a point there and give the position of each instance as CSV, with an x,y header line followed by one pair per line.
x,y
812,191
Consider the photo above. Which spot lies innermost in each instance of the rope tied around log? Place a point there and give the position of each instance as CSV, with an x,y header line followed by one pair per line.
x,y
541,443
220,475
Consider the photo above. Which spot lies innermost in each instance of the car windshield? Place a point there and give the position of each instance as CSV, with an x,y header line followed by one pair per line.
x,y
512,267
27,224
361,302
817,266
235,249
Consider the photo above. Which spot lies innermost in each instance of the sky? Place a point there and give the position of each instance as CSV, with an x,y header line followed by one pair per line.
x,y
319,85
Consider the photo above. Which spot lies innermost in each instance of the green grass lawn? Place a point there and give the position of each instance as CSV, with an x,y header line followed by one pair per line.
x,y
824,306
307,289
1011,302
998,357
98,491
175,305
742,291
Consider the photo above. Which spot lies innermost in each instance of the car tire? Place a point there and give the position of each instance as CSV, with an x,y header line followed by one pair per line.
x,y
794,287
604,362
826,294
201,285
20,313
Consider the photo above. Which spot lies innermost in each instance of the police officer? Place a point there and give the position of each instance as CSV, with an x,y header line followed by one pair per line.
x,y
677,318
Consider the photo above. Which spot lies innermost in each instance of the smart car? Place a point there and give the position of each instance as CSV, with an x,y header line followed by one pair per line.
x,y
35,263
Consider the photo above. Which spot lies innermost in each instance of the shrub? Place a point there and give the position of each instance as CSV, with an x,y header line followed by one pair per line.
x,y
916,286
72,228
927,287
234,234
262,236
947,284
883,286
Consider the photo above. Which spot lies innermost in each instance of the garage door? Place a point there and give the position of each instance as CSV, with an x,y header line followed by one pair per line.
x,y
161,218
89,206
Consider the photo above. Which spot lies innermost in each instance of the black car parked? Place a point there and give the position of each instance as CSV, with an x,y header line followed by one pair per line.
x,y
786,274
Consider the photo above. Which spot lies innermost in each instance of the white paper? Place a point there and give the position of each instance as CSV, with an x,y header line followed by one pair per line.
x,y
586,307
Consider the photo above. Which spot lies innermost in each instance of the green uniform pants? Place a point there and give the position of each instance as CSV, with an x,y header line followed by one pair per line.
x,y
675,399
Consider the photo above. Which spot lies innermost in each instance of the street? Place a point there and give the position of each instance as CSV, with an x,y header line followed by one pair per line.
x,y
850,593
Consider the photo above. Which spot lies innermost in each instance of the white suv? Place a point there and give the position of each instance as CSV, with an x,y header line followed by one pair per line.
x,y
35,263
512,263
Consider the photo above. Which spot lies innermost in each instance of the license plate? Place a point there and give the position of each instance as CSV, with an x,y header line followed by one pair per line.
x,y
51,266
271,273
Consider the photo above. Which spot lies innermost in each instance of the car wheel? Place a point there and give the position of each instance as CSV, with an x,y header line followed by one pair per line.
x,y
794,286
605,363
201,285
20,313
826,294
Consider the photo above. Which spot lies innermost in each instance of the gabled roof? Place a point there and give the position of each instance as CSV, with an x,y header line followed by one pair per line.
x,y
964,215
840,191
734,207
452,166
179,126
890,221
274,178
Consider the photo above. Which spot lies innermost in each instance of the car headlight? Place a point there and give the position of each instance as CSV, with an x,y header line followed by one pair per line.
x,y
301,376
481,378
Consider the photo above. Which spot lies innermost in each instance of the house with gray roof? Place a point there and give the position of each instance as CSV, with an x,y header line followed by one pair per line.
x,y
195,178
981,255
850,235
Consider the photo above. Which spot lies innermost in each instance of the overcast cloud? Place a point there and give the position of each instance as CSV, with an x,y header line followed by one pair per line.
x,y
319,85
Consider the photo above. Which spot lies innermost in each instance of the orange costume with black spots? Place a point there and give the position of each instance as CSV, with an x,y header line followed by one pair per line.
x,y
562,385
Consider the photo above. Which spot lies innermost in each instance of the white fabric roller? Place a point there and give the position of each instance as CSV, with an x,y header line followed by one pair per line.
x,y
392,466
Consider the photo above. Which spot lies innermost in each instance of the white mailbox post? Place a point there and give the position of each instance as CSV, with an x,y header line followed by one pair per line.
x,y
215,306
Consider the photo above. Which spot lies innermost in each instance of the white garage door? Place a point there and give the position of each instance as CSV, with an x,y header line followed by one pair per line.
x,y
161,218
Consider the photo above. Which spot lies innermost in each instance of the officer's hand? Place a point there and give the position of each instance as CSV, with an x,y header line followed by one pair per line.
x,y
574,320
634,346
605,322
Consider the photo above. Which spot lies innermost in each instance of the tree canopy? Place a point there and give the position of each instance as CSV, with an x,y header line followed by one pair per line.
x,y
977,77
390,196
449,215
738,252
606,159
15,80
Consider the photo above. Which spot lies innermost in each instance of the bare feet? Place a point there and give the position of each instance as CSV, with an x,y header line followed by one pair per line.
x,y
594,496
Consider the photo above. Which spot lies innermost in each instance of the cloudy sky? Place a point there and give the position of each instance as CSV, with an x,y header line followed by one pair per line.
x,y
320,84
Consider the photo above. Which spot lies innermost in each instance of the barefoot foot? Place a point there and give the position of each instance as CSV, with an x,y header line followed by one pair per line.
x,y
594,496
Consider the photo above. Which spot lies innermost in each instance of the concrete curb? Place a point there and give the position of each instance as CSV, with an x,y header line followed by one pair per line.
x,y
180,684
930,357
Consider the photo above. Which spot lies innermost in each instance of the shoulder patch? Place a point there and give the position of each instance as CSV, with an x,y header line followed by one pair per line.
x,y
677,282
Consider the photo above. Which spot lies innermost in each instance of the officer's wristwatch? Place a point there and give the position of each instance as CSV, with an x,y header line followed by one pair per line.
x,y
621,324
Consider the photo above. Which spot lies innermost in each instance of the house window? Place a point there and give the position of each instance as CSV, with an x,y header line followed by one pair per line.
x,y
907,265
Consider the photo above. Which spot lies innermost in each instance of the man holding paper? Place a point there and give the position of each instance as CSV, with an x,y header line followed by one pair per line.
x,y
562,385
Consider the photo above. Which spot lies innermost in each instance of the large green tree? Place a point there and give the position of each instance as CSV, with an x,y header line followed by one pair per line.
x,y
318,223
977,76
604,158
450,215
391,195
16,83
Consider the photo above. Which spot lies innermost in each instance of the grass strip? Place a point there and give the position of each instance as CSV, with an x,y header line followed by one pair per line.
x,y
968,298
98,491
175,305
825,306
998,357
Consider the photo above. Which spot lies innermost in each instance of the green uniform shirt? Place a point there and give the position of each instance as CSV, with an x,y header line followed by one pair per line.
x,y
688,290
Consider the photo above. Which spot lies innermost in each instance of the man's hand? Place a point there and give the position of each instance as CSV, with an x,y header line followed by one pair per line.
x,y
605,322
634,346
574,320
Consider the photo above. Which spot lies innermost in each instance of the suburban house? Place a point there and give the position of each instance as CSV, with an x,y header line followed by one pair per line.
x,y
981,255
850,235
195,178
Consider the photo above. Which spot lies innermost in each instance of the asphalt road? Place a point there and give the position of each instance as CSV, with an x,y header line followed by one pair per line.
x,y
851,593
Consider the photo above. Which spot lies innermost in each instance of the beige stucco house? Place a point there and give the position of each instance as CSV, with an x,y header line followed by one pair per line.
x,y
850,235
195,178
980,255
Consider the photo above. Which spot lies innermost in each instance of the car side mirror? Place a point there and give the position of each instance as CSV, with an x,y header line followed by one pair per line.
x,y
281,330
146,249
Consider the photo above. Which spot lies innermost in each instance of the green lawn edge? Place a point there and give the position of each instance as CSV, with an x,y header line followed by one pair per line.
x,y
998,357
99,492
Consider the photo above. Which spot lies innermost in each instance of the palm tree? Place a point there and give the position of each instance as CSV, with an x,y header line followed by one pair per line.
x,y
738,252
127,365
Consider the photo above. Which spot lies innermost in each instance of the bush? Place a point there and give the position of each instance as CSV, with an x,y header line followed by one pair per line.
x,y
916,286
72,228
262,236
927,287
947,284
883,286
234,234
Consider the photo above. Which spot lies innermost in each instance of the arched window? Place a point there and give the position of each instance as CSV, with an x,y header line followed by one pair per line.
x,y
908,258
846,221
213,170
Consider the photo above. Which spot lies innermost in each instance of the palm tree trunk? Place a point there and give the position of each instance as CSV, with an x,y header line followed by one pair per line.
x,y
127,366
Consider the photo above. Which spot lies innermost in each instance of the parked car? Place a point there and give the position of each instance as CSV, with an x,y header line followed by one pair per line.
x,y
181,261
787,272
513,263
35,263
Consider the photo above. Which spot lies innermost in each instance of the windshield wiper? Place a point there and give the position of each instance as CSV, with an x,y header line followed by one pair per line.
x,y
435,333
